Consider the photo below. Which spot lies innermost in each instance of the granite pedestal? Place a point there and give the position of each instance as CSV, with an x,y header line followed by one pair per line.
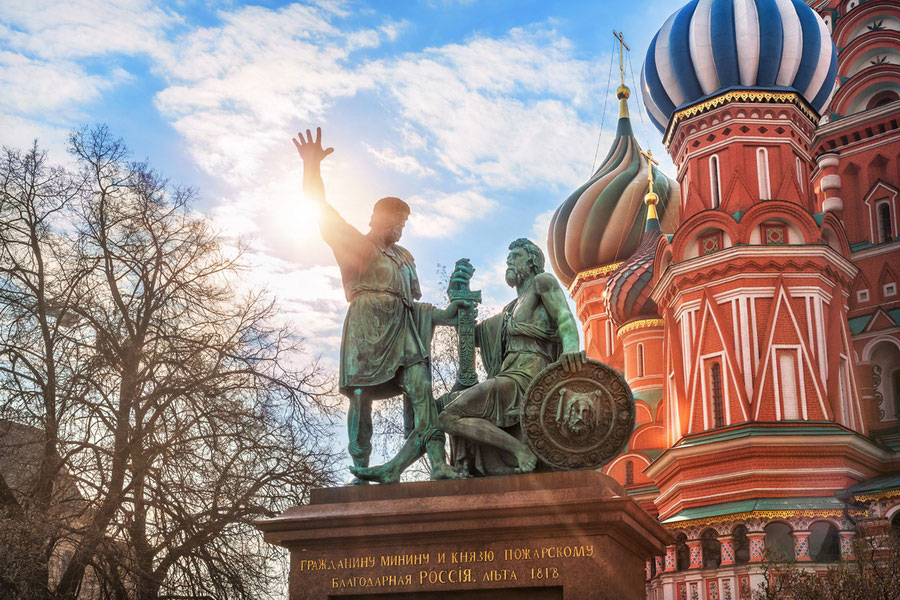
x,y
543,536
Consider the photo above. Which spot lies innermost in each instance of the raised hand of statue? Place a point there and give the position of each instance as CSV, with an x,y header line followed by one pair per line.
x,y
310,150
462,273
312,153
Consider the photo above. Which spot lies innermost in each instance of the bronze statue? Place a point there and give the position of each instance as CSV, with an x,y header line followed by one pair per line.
x,y
533,331
385,346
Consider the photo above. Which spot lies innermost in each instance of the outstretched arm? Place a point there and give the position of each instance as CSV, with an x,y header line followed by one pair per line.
x,y
349,245
555,302
447,316
312,153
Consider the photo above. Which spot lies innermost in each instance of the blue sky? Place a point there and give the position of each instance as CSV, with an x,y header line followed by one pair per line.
x,y
482,115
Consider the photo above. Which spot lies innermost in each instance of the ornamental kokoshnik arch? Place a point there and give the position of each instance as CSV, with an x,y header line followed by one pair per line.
x,y
578,421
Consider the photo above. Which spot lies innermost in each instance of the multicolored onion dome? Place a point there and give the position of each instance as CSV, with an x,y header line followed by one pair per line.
x,y
710,46
602,221
628,288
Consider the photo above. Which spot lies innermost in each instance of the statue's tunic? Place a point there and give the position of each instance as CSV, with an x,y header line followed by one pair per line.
x,y
514,351
385,329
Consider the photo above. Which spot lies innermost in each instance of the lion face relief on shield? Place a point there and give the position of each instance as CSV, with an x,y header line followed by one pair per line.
x,y
576,414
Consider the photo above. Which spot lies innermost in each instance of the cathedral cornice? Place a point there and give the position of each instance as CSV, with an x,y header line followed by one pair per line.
x,y
755,257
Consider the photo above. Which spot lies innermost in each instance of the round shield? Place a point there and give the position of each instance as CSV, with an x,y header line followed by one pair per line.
x,y
578,420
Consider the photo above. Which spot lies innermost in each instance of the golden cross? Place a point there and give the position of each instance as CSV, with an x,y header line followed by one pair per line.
x,y
618,36
650,162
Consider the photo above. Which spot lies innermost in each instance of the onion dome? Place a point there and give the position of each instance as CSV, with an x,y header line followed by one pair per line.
x,y
628,288
710,46
602,221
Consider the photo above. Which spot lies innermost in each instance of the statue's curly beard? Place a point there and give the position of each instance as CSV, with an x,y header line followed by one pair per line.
x,y
515,277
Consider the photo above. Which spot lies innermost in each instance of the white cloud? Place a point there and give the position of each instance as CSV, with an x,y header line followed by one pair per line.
x,y
494,114
403,163
500,111
82,28
36,86
442,215
234,88
43,74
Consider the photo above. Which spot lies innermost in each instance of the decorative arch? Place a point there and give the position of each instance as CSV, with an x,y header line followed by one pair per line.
x,y
883,353
853,96
893,512
835,227
648,437
662,258
883,97
711,549
779,540
869,348
849,26
741,543
867,57
617,468
642,413
824,542
779,210
690,230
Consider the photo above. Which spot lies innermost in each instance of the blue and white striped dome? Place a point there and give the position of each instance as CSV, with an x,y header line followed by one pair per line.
x,y
710,46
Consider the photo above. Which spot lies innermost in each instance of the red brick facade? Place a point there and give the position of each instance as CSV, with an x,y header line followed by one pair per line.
x,y
768,382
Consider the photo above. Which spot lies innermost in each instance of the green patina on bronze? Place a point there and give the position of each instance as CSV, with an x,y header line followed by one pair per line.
x,y
533,331
385,351
385,346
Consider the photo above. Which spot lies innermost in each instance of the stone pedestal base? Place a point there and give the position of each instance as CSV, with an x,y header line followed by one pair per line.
x,y
545,536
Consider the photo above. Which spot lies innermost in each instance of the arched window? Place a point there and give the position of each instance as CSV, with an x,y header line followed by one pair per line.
x,y
629,472
824,542
885,230
800,173
882,98
779,542
682,553
762,170
712,549
741,545
714,186
640,360
718,402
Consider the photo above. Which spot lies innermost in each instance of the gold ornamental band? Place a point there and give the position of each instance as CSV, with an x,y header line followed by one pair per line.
x,y
877,495
765,515
595,272
642,324
739,95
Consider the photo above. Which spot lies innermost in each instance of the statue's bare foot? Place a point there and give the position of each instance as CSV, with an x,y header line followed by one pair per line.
x,y
379,474
527,460
358,481
444,471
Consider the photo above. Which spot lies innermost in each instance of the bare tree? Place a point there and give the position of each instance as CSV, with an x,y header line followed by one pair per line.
x,y
186,418
40,366
874,574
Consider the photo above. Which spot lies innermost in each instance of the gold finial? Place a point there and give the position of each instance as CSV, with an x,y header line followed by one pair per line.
x,y
622,93
650,198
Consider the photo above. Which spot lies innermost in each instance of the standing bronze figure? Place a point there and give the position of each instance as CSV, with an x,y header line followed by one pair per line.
x,y
385,347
